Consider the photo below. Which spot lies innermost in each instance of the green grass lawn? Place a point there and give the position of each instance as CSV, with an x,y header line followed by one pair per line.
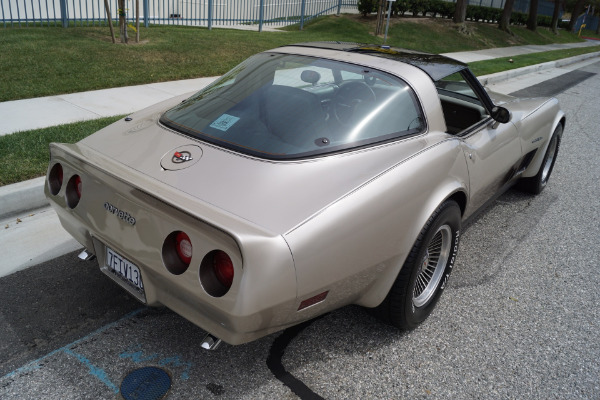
x,y
24,155
590,34
46,61
486,67
43,61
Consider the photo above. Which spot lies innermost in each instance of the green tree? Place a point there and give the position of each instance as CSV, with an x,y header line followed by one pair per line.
x,y
365,7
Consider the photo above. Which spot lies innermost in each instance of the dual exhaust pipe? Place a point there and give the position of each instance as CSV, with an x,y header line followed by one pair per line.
x,y
209,342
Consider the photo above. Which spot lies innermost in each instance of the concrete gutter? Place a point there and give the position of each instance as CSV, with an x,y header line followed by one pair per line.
x,y
22,197
504,75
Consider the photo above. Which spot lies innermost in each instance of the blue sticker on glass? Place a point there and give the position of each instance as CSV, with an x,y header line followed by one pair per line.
x,y
224,122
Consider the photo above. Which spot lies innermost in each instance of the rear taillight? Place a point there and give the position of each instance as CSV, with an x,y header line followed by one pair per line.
x,y
223,268
73,191
55,179
78,185
216,273
177,252
183,246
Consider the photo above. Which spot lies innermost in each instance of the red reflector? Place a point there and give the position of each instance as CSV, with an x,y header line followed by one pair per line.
x,y
313,300
55,179
223,268
78,185
183,245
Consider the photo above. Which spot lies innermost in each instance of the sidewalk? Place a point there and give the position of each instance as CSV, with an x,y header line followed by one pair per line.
x,y
48,111
26,220
489,54
43,112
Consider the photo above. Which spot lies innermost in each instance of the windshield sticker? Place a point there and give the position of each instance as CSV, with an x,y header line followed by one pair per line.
x,y
224,122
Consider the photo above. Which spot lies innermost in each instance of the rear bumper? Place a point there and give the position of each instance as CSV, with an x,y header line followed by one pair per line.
x,y
263,297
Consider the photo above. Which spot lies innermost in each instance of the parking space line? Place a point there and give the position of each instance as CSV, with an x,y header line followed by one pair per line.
x,y
137,355
93,370
39,363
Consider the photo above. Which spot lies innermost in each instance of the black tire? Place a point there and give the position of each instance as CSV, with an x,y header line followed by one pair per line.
x,y
416,291
537,183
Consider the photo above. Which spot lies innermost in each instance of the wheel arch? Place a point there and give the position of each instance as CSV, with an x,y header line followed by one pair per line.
x,y
454,191
536,163
460,197
355,248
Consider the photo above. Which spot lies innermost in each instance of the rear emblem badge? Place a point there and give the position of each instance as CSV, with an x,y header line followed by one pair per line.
x,y
181,157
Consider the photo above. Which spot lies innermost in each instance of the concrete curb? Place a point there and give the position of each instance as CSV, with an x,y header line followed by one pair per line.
x,y
504,75
22,197
29,195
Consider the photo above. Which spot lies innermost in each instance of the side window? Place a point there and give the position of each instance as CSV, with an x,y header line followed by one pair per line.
x,y
462,108
351,75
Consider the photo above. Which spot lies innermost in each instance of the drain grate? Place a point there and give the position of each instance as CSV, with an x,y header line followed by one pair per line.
x,y
147,383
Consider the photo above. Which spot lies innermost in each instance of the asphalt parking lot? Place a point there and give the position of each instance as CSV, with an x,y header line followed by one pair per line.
x,y
519,319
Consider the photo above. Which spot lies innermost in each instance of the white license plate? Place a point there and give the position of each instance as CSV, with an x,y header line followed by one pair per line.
x,y
124,269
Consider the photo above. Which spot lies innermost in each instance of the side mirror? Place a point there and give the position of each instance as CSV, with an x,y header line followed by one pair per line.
x,y
501,114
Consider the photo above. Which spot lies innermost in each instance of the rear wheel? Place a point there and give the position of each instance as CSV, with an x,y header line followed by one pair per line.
x,y
425,272
537,183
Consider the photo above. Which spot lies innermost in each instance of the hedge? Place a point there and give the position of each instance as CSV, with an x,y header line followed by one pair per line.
x,y
445,9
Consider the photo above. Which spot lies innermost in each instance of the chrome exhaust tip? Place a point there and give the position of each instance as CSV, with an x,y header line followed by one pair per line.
x,y
85,256
210,342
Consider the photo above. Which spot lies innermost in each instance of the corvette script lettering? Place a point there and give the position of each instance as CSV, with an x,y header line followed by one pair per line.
x,y
125,216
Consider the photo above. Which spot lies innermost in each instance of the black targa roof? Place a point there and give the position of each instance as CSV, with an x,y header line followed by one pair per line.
x,y
436,66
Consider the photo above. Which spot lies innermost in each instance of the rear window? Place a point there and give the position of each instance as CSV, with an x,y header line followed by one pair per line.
x,y
281,106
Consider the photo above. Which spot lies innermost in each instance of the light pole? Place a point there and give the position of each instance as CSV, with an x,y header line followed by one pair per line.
x,y
387,25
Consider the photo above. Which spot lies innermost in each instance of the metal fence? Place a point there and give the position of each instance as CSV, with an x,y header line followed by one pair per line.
x,y
172,12
591,22
485,3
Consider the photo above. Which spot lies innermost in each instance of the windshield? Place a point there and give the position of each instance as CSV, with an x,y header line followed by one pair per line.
x,y
281,106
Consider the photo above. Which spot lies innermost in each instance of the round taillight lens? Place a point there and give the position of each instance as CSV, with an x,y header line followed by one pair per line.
x,y
183,246
177,252
55,179
73,191
216,273
77,185
223,268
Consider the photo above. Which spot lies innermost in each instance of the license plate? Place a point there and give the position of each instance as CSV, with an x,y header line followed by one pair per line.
x,y
124,269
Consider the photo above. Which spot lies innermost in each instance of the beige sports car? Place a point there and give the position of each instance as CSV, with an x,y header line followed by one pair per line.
x,y
309,177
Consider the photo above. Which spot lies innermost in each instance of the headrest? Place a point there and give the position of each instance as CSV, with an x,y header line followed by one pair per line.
x,y
310,76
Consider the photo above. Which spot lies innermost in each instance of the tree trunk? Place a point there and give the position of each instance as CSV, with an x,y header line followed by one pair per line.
x,y
380,14
554,23
137,21
110,22
460,12
532,20
504,23
576,12
123,21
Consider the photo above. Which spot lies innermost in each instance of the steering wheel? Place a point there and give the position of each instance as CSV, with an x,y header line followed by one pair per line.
x,y
350,99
